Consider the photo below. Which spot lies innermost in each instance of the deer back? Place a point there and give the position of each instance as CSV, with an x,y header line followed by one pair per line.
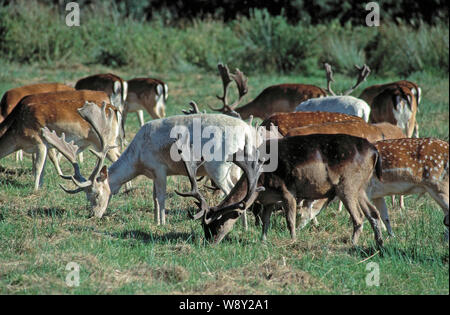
x,y
12,97
287,121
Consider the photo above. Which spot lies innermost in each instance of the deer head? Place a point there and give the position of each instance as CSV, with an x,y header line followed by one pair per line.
x,y
249,162
227,78
96,186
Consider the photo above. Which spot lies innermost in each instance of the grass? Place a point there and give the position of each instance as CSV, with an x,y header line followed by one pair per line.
x,y
126,253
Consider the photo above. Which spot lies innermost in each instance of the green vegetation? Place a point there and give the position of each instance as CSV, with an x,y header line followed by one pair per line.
x,y
34,33
126,253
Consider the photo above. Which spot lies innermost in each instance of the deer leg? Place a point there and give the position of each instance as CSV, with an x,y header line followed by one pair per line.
x,y
351,205
380,203
41,157
266,213
159,198
81,157
290,208
372,214
442,199
140,115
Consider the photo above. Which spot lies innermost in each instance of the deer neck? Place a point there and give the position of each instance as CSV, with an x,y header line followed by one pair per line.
x,y
123,170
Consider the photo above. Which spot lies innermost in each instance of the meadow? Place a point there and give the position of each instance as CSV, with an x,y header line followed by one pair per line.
x,y
126,253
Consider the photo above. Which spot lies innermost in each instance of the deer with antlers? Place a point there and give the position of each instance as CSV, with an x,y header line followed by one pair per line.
x,y
409,166
273,99
339,103
58,111
309,167
12,97
150,153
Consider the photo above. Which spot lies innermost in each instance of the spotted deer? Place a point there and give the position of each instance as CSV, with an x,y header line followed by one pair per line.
x,y
58,111
273,99
346,103
409,166
309,167
150,154
12,97
149,94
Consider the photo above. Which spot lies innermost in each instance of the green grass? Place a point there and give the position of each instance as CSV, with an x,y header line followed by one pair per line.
x,y
126,253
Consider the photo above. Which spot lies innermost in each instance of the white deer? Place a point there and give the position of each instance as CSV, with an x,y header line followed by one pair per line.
x,y
345,104
152,153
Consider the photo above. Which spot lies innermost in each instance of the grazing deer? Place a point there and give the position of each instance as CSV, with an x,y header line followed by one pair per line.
x,y
111,84
398,106
369,93
409,166
343,103
372,133
309,167
150,153
58,111
12,97
273,99
149,94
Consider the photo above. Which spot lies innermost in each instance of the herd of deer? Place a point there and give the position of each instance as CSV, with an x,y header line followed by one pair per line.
x,y
328,146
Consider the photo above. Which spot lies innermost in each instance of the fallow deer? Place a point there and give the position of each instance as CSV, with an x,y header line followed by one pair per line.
x,y
309,167
12,97
149,94
111,84
287,121
150,153
369,93
273,99
398,106
372,133
409,166
343,103
58,111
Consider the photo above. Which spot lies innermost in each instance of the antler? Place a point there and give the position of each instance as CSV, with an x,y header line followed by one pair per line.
x,y
252,168
101,124
69,150
194,109
364,72
329,74
241,82
191,170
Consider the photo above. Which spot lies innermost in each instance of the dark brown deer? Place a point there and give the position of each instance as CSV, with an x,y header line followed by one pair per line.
x,y
309,167
273,99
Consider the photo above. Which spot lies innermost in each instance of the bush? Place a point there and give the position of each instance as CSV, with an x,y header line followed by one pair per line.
x,y
35,33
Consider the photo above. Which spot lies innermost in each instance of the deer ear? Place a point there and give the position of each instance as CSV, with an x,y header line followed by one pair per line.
x,y
103,174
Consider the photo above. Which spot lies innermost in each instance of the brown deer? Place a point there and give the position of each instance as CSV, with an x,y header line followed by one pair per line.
x,y
149,94
309,167
409,166
273,99
287,121
398,106
12,97
109,83
369,93
21,130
